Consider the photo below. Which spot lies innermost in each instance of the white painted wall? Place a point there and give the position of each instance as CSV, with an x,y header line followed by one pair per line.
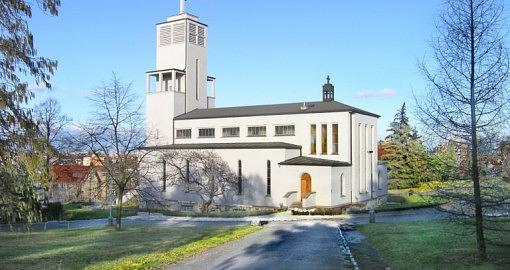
x,y
364,168
163,106
301,122
254,171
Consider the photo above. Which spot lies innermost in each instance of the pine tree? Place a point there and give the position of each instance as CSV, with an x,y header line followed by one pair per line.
x,y
408,160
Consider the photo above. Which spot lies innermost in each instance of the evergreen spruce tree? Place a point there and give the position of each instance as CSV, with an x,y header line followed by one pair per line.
x,y
408,160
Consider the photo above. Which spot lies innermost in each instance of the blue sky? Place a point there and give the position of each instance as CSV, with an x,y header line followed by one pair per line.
x,y
260,51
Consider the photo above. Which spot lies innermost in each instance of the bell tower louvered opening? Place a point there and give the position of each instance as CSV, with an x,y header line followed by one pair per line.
x,y
328,91
197,34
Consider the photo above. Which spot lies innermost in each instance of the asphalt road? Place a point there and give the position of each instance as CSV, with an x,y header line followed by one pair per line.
x,y
280,245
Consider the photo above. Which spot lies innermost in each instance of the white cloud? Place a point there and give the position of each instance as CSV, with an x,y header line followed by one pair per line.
x,y
386,92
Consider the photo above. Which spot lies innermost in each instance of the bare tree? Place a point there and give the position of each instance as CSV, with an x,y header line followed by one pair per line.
x,y
467,98
115,134
203,173
51,123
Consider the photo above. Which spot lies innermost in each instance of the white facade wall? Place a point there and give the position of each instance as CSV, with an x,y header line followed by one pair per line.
x,y
364,165
334,186
325,180
302,123
190,91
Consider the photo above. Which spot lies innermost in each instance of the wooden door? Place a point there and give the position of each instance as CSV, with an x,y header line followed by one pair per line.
x,y
306,185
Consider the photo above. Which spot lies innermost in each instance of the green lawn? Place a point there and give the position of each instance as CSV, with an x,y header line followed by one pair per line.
x,y
131,248
401,200
434,245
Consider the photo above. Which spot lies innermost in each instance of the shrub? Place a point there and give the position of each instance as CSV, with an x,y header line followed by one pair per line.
x,y
53,211
317,212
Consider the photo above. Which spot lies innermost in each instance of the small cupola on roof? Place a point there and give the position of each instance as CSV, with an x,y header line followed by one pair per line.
x,y
328,91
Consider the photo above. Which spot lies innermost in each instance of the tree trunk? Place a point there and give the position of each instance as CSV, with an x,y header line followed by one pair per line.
x,y
119,211
480,240
205,207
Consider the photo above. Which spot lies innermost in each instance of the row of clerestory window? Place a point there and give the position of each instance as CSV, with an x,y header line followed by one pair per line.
x,y
230,132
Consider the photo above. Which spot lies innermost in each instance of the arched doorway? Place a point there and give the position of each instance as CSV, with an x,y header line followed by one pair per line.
x,y
306,185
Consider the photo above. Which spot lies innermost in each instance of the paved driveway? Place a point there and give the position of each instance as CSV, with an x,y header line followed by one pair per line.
x,y
280,245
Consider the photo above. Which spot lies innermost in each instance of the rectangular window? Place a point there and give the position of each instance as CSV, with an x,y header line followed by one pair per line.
x,y
324,139
239,178
268,184
257,131
206,133
284,130
313,139
183,134
231,132
335,139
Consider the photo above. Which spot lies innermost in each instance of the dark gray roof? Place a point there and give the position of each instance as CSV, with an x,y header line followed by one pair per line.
x,y
273,109
310,161
248,145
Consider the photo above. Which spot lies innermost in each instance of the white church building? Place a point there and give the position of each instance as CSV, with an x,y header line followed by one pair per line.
x,y
307,154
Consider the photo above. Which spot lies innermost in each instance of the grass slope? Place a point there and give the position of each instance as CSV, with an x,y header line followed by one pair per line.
x,y
435,245
130,248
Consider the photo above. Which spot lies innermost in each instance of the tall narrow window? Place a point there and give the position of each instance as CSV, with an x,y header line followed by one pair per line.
x,y
268,191
367,158
342,185
335,139
378,179
239,177
313,139
360,160
164,175
324,139
187,175
373,159
197,72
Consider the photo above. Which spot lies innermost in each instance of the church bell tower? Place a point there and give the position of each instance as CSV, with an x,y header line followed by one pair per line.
x,y
328,91
180,82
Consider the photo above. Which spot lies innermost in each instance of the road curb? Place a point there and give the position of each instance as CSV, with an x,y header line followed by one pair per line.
x,y
347,250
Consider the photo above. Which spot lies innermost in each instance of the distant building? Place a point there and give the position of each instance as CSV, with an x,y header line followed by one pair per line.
x,y
80,180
